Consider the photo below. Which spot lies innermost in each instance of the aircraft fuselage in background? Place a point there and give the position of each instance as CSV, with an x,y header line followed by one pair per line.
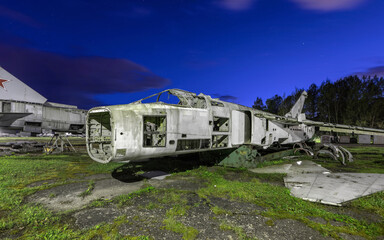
x,y
24,111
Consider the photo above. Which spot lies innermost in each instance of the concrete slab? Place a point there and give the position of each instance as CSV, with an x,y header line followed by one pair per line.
x,y
334,188
69,196
312,182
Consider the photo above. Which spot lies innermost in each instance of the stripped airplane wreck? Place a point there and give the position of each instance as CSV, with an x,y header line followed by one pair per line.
x,y
175,122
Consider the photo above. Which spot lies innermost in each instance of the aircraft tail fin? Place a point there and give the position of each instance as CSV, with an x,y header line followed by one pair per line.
x,y
13,89
298,107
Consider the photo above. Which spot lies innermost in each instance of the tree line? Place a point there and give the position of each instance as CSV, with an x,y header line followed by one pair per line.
x,y
351,100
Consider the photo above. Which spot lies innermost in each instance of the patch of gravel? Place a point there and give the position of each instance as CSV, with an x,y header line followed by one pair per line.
x,y
68,197
260,227
346,236
90,217
146,222
205,221
61,197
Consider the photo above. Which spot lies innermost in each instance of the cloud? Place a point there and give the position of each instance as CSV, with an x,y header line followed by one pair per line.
x,y
227,98
378,71
235,5
74,80
328,5
19,17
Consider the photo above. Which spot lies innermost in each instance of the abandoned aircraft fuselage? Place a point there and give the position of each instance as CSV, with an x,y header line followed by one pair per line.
x,y
190,124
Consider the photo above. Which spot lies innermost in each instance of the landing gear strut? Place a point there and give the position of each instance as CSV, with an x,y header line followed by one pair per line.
x,y
337,153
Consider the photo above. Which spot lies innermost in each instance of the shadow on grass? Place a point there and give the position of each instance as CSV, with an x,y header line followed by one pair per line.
x,y
131,172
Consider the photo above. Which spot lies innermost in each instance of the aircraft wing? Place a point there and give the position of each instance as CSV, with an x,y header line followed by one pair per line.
x,y
6,119
323,126
341,128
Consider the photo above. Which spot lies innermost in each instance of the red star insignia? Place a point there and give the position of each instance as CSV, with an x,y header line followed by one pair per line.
x,y
3,81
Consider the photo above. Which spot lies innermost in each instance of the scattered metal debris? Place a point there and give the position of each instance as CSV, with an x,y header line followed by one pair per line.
x,y
10,148
312,182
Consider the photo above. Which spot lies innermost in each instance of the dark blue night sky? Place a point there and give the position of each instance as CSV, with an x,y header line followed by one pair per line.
x,y
91,53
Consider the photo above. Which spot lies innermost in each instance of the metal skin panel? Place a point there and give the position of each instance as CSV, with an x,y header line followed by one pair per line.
x,y
194,122
378,139
345,139
238,119
258,130
364,139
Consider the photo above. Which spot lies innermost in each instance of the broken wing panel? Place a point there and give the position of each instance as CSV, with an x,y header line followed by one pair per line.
x,y
341,128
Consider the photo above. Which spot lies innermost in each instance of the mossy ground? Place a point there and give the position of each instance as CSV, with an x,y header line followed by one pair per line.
x,y
226,198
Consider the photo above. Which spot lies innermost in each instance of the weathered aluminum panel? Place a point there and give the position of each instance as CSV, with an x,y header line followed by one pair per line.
x,y
258,130
364,139
345,139
192,122
18,107
329,127
238,119
378,139
37,111
310,181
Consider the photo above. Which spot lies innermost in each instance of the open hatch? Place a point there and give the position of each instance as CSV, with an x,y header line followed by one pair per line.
x,y
99,135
